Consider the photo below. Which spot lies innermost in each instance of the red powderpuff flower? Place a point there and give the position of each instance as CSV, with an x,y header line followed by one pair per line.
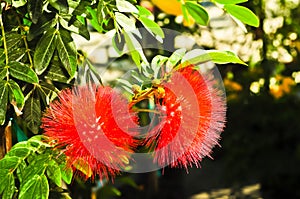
x,y
192,117
91,126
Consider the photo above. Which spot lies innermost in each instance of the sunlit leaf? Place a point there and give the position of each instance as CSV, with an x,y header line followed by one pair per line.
x,y
83,166
144,11
94,21
60,5
21,152
157,63
54,173
132,45
20,170
18,3
35,186
10,162
66,174
76,26
125,6
197,12
175,58
230,1
127,23
224,57
243,14
10,188
3,179
151,26
198,56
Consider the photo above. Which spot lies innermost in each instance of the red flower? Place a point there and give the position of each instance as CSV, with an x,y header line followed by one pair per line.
x,y
90,125
192,117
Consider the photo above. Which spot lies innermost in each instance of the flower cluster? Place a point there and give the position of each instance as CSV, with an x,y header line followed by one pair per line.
x,y
192,117
97,129
90,126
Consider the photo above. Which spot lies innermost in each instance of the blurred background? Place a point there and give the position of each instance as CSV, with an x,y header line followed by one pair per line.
x,y
259,155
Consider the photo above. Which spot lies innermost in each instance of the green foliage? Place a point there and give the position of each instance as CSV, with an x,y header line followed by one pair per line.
x,y
32,163
198,12
243,14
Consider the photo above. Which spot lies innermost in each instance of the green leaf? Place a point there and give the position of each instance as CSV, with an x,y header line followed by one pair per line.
x,y
219,57
10,188
18,3
15,93
45,22
127,23
22,72
54,173
16,54
57,72
14,41
67,52
100,12
9,162
144,11
15,46
157,63
36,141
243,14
230,1
36,187
21,152
35,9
2,55
44,51
4,179
134,49
197,12
3,71
118,43
20,170
151,26
132,44
47,92
224,57
36,167
60,5
3,101
33,113
76,26
125,6
66,174
94,21
175,58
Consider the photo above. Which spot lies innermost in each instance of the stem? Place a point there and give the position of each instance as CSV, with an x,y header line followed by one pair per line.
x,y
26,44
4,43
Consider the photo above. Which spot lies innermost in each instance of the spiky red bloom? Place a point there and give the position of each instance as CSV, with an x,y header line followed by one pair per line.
x,y
90,125
193,115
